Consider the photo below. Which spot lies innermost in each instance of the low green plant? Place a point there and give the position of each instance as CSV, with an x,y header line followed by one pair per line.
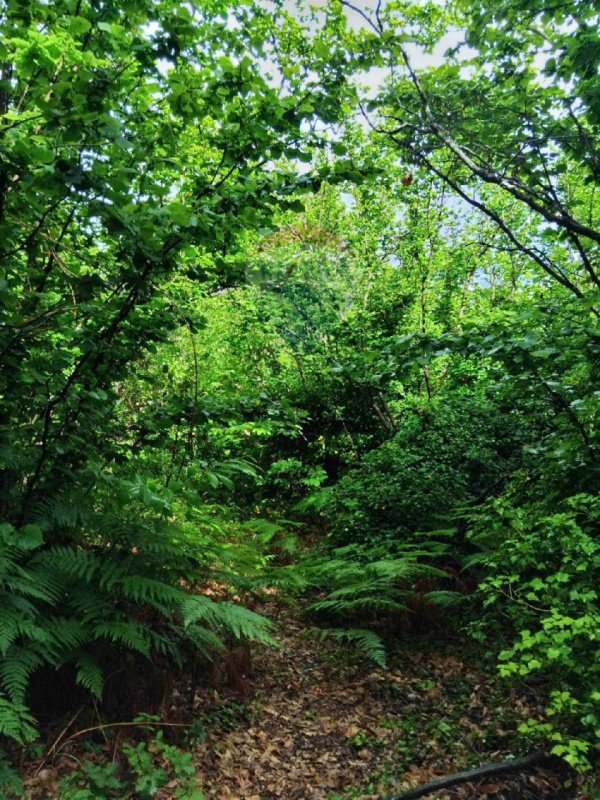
x,y
354,792
196,732
91,781
150,767
10,782
362,739
228,715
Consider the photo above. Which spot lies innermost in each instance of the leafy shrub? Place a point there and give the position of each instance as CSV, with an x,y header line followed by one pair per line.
x,y
543,576
442,457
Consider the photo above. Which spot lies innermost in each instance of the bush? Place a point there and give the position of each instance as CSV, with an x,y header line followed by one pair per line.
x,y
444,457
543,577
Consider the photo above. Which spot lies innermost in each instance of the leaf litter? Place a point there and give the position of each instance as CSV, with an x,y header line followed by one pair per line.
x,y
325,725
317,722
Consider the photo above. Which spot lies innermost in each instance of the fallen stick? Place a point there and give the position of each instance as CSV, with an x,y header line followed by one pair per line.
x,y
514,765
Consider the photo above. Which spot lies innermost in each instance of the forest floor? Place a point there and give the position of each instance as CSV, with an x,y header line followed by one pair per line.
x,y
323,725
318,723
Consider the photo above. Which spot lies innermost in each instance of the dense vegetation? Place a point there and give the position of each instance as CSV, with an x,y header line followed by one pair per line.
x,y
288,303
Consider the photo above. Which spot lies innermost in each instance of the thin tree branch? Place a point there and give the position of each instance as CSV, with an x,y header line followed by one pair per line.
x,y
516,189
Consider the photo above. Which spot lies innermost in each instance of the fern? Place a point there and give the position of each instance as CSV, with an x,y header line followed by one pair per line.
x,y
354,583
149,590
15,622
16,721
89,604
370,602
364,582
229,618
16,669
172,645
89,675
59,511
10,782
246,624
35,584
366,642
205,640
64,633
57,603
111,575
70,562
199,607
444,598
131,634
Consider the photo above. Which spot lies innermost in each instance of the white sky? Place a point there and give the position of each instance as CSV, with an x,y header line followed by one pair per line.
x,y
418,57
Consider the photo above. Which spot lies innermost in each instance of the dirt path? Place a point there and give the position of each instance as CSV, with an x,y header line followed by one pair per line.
x,y
322,725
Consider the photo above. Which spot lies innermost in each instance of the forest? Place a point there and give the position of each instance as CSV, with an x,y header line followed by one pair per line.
x,y
299,399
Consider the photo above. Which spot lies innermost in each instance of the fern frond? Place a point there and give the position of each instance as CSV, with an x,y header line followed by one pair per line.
x,y
444,597
361,589
16,721
359,603
88,605
131,634
34,583
168,644
113,572
20,604
10,780
61,511
8,555
205,640
67,561
65,634
89,675
16,669
148,590
13,625
199,607
233,618
398,569
246,624
367,642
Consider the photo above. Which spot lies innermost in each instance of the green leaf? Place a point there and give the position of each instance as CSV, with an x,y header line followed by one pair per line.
x,y
79,25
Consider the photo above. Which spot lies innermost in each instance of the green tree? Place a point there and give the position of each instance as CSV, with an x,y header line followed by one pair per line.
x,y
138,140
509,118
